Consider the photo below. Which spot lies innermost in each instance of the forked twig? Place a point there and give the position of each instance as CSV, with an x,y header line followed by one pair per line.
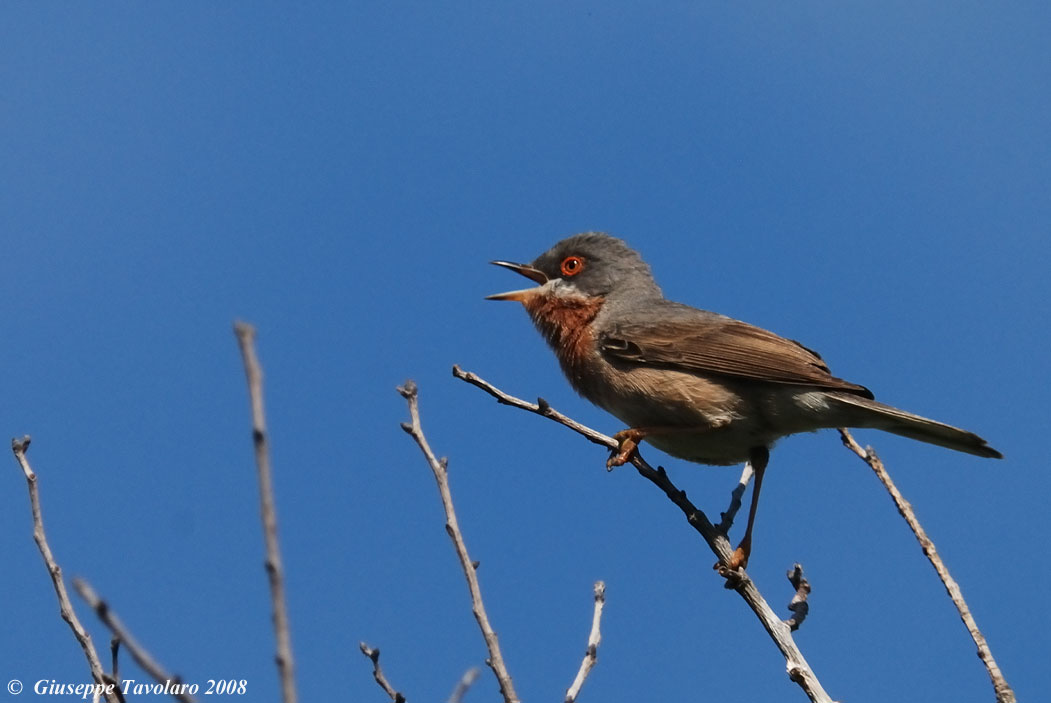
x,y
19,447
274,569
1003,691
796,665
441,474
591,655
138,652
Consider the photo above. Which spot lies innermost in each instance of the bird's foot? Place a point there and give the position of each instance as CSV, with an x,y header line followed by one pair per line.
x,y
627,447
738,560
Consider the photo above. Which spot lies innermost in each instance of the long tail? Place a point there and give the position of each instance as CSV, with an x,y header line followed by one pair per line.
x,y
864,412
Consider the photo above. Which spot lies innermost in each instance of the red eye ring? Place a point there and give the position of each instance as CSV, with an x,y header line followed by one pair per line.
x,y
572,265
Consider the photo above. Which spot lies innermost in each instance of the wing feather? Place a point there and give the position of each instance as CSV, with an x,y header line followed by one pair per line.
x,y
714,344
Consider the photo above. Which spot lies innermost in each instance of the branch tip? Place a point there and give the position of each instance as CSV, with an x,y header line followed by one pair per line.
x,y
594,639
65,606
465,682
268,512
798,606
377,673
244,330
441,476
1001,688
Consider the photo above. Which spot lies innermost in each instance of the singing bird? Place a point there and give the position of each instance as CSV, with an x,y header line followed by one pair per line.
x,y
697,385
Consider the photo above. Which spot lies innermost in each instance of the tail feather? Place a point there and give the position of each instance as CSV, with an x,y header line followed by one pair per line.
x,y
864,412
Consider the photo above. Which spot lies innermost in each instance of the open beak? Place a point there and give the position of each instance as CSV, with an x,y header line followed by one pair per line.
x,y
529,272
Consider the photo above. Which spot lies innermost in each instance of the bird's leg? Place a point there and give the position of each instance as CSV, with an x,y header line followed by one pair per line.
x,y
759,458
628,440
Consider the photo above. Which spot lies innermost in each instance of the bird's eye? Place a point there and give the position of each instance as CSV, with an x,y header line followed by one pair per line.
x,y
572,265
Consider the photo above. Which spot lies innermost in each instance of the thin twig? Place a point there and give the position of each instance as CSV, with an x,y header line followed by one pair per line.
x,y
274,569
799,605
796,665
726,520
137,651
541,407
1003,691
452,527
114,649
591,655
465,682
19,447
377,673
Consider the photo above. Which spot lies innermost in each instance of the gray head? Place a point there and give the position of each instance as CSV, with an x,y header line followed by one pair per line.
x,y
592,264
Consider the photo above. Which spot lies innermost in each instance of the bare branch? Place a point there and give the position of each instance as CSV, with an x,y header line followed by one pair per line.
x,y
465,682
1003,691
274,569
377,673
137,651
19,447
796,665
452,527
798,605
591,655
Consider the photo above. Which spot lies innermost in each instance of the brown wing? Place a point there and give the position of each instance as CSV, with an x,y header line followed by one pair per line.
x,y
710,343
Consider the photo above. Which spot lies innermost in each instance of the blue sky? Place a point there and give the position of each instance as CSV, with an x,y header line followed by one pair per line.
x,y
871,180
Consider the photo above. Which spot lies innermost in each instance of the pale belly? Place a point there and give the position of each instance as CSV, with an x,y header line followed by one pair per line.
x,y
711,420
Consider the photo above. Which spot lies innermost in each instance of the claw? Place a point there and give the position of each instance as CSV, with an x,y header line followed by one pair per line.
x,y
627,448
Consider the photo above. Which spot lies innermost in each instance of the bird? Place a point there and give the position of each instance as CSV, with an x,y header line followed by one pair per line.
x,y
698,385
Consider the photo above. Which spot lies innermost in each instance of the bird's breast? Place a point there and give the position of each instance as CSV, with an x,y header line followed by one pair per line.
x,y
565,323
